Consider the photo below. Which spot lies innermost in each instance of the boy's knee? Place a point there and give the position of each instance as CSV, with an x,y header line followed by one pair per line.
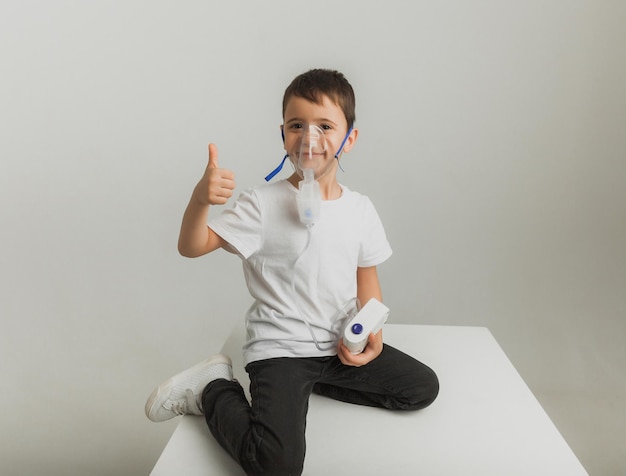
x,y
425,391
418,392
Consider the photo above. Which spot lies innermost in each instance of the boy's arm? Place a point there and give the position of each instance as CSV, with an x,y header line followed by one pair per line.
x,y
214,188
368,287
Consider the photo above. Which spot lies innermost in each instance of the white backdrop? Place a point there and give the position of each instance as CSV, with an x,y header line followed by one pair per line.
x,y
490,140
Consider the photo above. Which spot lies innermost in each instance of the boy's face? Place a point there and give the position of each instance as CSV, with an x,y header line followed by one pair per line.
x,y
328,116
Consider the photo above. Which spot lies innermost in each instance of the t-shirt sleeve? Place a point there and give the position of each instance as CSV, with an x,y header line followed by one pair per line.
x,y
240,225
375,247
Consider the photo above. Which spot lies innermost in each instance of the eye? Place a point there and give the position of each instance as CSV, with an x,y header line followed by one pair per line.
x,y
295,125
325,127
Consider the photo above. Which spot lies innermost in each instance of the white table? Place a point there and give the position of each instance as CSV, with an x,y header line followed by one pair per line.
x,y
484,422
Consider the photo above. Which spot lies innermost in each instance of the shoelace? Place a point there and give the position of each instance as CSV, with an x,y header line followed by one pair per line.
x,y
186,405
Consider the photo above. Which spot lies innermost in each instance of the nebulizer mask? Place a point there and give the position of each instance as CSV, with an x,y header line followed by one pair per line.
x,y
311,163
309,156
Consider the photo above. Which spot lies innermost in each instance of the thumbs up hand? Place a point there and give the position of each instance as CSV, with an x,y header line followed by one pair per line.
x,y
216,185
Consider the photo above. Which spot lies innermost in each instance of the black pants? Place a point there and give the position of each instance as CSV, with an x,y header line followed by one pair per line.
x,y
268,438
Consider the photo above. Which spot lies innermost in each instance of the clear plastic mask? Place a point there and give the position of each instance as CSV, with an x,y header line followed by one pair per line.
x,y
309,154
296,153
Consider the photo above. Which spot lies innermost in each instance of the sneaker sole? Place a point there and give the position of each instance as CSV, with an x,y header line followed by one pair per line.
x,y
152,404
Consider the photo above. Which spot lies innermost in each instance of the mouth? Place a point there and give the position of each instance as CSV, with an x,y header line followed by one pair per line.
x,y
311,155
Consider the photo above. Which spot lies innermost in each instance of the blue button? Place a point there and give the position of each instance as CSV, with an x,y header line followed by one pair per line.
x,y
357,329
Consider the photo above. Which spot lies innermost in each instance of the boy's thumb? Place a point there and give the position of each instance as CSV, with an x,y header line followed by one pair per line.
x,y
213,156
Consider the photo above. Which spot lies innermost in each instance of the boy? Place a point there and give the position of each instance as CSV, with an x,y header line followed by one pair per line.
x,y
303,278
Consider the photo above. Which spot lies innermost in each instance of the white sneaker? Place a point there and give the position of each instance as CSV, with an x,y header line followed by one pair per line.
x,y
181,394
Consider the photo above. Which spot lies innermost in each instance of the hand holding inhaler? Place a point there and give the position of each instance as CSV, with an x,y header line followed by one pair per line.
x,y
369,320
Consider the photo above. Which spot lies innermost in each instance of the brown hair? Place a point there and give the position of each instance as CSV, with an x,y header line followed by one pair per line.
x,y
316,83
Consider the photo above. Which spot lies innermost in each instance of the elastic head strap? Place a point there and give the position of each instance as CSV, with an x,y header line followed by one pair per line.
x,y
343,143
270,176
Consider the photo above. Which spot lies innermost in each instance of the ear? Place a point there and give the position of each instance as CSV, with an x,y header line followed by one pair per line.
x,y
351,140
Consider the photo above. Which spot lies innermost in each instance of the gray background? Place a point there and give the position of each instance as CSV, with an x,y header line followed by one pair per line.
x,y
491,141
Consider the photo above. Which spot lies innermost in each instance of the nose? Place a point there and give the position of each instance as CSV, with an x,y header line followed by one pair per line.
x,y
311,136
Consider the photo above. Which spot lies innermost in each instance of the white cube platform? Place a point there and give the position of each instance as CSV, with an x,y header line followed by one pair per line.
x,y
485,421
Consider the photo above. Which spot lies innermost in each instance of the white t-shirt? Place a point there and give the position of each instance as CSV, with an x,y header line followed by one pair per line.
x,y
299,283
